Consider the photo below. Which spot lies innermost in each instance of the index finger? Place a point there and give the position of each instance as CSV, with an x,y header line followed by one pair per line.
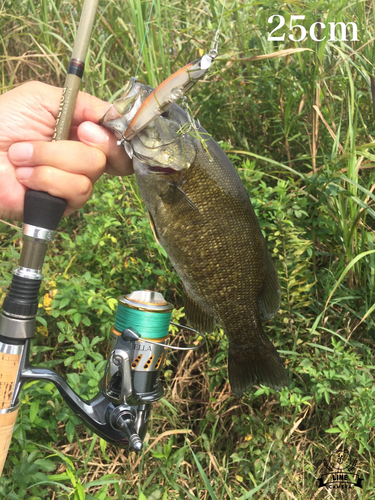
x,y
88,107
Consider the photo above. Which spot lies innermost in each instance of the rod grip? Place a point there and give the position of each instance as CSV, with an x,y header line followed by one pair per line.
x,y
43,210
7,421
9,368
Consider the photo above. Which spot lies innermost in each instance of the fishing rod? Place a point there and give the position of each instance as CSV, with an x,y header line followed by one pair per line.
x,y
42,214
119,413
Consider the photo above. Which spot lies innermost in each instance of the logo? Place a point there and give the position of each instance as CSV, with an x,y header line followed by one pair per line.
x,y
142,347
340,468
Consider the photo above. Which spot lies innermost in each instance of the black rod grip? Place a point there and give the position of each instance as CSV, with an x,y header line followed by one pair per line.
x,y
43,210
22,298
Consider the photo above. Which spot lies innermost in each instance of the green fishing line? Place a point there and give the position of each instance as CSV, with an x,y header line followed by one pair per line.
x,y
150,325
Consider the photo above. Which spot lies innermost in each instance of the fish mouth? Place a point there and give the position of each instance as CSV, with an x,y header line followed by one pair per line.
x,y
123,110
162,170
159,146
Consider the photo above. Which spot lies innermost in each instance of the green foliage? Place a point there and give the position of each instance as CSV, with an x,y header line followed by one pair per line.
x,y
300,131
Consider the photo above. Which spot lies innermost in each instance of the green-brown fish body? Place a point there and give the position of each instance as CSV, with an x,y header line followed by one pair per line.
x,y
202,216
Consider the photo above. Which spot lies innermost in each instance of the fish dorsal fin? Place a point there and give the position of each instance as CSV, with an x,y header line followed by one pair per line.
x,y
176,196
152,224
270,294
198,316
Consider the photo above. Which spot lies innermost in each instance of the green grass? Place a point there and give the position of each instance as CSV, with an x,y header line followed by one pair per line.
x,y
300,131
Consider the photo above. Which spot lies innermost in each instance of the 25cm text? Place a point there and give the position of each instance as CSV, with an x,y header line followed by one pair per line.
x,y
313,27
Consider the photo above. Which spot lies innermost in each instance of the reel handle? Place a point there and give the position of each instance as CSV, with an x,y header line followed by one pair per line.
x,y
43,210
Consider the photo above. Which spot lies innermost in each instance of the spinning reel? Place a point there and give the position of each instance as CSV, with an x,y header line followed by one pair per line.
x,y
119,413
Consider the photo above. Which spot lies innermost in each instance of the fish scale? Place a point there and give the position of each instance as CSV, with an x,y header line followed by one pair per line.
x,y
202,215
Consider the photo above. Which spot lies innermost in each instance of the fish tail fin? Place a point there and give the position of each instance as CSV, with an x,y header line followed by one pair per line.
x,y
249,365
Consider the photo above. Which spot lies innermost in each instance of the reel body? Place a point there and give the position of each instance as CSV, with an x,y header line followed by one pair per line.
x,y
119,413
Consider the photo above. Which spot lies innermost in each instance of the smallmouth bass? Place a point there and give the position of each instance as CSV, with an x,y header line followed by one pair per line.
x,y
201,214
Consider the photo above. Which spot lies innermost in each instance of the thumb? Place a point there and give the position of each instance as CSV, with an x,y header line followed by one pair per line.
x,y
89,108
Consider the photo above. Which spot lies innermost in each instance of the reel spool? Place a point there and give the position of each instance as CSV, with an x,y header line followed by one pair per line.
x,y
139,341
147,314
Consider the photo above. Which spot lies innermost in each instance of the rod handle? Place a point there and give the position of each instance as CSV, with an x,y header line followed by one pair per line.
x,y
7,421
9,368
43,210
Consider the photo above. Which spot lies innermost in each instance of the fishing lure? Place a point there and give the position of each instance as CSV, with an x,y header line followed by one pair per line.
x,y
168,92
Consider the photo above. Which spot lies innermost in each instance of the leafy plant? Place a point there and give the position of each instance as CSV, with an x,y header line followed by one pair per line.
x,y
299,129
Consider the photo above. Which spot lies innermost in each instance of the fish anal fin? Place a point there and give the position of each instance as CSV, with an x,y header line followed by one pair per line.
x,y
270,294
198,316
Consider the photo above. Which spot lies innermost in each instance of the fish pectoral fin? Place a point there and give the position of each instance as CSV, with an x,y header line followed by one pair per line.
x,y
152,224
177,197
198,316
270,294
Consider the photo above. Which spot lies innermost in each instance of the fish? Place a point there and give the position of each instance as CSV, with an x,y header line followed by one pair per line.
x,y
201,214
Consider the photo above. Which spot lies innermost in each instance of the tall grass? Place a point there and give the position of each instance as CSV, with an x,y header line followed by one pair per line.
x,y
300,130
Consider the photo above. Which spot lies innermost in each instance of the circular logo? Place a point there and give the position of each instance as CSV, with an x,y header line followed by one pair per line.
x,y
340,460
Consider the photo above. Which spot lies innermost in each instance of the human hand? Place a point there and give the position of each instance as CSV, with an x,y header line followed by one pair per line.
x,y
67,169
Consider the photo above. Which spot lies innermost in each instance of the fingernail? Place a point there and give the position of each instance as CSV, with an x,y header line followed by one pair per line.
x,y
21,151
24,173
92,133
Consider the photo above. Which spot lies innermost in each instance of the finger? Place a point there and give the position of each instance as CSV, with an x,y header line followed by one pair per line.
x,y
74,188
118,162
87,107
12,193
70,156
73,134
